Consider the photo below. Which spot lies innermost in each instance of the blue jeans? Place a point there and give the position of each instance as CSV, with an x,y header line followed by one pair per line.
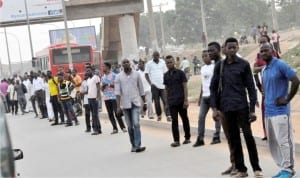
x,y
132,118
68,107
95,116
204,107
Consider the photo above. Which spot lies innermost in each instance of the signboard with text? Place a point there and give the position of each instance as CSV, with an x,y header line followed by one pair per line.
x,y
79,35
14,10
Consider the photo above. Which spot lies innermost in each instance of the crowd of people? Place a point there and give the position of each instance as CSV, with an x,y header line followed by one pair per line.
x,y
226,84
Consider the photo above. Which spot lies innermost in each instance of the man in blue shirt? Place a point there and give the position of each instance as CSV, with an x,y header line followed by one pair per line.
x,y
276,77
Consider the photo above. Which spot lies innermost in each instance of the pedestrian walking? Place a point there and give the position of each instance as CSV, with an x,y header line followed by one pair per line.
x,y
108,88
20,89
129,89
177,99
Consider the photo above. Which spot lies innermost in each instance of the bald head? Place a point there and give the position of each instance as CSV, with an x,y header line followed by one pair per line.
x,y
266,52
155,55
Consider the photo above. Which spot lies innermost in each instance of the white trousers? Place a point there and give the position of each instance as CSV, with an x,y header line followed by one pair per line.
x,y
49,108
281,141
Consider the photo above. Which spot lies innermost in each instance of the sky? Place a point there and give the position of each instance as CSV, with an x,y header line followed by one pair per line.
x,y
18,37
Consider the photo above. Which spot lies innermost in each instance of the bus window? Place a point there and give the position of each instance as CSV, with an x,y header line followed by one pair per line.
x,y
79,55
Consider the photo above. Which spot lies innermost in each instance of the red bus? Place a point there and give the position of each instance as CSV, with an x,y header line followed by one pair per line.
x,y
56,56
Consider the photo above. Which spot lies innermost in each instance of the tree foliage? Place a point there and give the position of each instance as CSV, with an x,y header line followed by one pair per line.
x,y
223,18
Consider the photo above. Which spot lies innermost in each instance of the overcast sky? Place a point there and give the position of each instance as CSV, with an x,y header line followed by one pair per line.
x,y
40,35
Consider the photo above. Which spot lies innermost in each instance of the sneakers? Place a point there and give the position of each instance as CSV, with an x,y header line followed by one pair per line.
x,y
258,174
241,174
198,142
284,174
159,118
124,130
175,144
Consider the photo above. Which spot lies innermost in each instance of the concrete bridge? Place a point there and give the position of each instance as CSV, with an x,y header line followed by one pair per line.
x,y
119,29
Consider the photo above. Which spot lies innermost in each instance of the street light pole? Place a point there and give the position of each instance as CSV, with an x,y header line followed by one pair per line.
x,y
29,30
70,60
203,22
162,31
8,54
152,26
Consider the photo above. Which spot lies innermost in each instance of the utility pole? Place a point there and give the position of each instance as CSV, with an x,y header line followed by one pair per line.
x,y
162,29
274,16
203,22
8,54
29,30
70,60
152,26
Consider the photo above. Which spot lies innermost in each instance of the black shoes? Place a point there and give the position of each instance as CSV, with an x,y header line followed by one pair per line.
x,y
96,133
264,139
215,140
198,142
186,141
175,144
138,150
230,171
114,132
87,130
54,124
68,125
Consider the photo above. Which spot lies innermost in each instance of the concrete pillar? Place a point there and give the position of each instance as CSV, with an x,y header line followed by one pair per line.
x,y
128,38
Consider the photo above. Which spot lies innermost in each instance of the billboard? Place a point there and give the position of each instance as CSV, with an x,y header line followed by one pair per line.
x,y
79,35
14,10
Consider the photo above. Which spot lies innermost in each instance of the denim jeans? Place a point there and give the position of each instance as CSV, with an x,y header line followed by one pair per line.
x,y
95,116
132,118
204,107
68,107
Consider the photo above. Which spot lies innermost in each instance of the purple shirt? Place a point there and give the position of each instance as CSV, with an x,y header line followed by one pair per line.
x,y
3,88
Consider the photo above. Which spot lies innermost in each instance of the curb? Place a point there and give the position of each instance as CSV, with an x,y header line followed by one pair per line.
x,y
194,131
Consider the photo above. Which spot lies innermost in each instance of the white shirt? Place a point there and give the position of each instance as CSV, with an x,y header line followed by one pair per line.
x,y
156,72
83,89
12,93
146,84
275,37
92,86
184,64
38,84
207,72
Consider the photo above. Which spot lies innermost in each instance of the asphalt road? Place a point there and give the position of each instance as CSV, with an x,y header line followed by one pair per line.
x,y
70,152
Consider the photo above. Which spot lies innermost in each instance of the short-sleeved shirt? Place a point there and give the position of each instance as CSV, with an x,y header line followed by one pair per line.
x,y
53,86
174,79
207,72
146,84
83,89
19,90
276,77
130,88
92,86
156,72
109,92
77,80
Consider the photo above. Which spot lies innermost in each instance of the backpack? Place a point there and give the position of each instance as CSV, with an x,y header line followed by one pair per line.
x,y
24,89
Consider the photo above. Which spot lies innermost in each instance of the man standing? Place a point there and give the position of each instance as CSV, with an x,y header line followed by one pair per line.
x,y
236,76
38,85
177,96
154,73
93,94
276,76
56,105
108,88
65,88
129,89
3,90
147,90
77,99
87,108
20,89
275,40
207,72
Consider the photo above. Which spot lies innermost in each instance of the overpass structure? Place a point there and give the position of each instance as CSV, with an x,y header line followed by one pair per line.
x,y
119,26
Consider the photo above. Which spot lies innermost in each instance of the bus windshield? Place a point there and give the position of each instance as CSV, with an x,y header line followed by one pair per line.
x,y
79,55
